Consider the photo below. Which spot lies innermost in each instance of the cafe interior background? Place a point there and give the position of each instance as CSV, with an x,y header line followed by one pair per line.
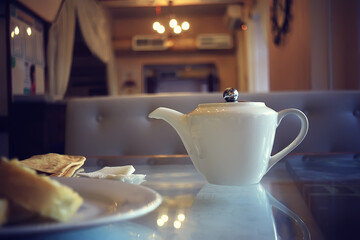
x,y
55,50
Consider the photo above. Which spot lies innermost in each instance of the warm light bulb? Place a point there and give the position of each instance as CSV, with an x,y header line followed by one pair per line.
x,y
28,31
156,25
16,30
185,25
161,29
12,34
177,29
173,23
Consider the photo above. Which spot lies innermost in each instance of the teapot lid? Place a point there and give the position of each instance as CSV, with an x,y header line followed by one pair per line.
x,y
231,97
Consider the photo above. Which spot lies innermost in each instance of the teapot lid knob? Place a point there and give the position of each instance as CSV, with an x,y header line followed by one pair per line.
x,y
231,95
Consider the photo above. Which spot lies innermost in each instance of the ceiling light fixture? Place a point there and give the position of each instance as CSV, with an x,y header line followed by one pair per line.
x,y
174,25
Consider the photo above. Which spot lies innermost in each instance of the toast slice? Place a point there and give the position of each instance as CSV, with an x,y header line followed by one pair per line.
x,y
58,165
37,193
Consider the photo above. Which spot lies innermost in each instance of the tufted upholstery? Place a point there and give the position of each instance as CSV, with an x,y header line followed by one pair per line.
x,y
120,126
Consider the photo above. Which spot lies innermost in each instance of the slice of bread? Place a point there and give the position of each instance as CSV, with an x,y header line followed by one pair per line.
x,y
37,193
58,165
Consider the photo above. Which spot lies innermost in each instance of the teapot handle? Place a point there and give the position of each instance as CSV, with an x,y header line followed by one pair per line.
x,y
303,131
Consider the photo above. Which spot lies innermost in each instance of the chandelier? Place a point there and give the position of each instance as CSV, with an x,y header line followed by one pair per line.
x,y
172,26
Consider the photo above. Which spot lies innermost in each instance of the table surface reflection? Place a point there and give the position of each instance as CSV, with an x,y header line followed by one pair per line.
x,y
303,196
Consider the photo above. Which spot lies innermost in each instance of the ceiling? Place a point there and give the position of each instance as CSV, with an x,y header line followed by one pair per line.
x,y
142,8
45,9
147,8
153,3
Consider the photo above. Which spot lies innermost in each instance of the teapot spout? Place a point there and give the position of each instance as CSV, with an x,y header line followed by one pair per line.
x,y
179,122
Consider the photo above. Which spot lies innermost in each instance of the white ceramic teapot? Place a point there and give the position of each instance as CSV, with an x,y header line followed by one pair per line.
x,y
230,143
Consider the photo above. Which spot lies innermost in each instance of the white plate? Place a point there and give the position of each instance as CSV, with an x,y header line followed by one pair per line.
x,y
105,201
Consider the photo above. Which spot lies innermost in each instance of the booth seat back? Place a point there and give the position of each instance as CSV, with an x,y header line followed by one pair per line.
x,y
119,125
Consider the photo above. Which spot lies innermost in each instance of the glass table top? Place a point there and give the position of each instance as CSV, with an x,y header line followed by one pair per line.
x,y
304,196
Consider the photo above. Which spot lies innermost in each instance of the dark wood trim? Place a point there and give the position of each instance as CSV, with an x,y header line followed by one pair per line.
x,y
4,124
5,60
8,54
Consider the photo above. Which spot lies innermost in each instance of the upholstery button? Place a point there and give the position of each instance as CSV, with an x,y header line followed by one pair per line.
x,y
100,163
356,112
357,158
306,158
99,118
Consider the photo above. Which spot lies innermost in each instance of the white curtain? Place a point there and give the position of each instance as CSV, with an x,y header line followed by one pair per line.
x,y
258,48
96,32
60,50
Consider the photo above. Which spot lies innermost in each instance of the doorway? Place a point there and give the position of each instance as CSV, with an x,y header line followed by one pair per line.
x,y
180,78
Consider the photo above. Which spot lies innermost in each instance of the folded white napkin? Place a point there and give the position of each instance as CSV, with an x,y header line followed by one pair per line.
x,y
123,174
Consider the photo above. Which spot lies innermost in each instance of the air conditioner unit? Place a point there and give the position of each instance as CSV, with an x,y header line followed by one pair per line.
x,y
214,41
149,43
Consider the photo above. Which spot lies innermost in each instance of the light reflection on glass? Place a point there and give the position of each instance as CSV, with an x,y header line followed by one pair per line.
x,y
165,218
160,222
177,224
177,218
181,217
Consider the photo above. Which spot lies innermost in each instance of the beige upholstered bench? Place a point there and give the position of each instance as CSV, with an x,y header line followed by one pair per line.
x,y
120,126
